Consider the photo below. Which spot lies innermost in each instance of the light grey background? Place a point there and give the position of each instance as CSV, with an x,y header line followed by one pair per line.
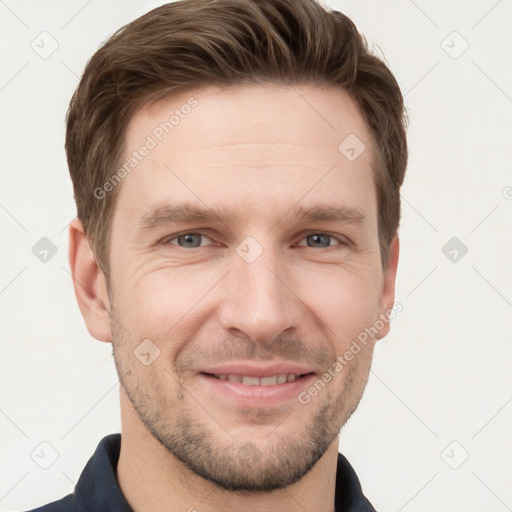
x,y
440,389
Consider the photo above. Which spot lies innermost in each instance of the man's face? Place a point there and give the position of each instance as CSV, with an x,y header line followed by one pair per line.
x,y
269,291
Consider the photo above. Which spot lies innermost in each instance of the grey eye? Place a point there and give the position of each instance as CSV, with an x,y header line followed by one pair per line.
x,y
319,240
189,240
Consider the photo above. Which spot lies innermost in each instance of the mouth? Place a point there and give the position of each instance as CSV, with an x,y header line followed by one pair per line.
x,y
249,387
251,380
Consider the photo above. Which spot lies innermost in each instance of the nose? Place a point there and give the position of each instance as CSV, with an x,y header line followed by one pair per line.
x,y
259,301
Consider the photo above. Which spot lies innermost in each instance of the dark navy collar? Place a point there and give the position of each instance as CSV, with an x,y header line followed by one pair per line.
x,y
98,489
349,496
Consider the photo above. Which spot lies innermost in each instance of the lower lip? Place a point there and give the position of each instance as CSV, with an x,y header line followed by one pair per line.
x,y
257,395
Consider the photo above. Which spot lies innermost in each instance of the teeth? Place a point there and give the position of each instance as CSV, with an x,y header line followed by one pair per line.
x,y
251,381
257,381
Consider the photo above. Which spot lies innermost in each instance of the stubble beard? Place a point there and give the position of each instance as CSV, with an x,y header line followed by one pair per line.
x,y
245,463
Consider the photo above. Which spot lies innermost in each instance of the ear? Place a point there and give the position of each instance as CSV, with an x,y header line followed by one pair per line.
x,y
387,299
89,283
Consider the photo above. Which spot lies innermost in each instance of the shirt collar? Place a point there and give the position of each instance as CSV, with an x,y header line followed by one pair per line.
x,y
97,487
349,496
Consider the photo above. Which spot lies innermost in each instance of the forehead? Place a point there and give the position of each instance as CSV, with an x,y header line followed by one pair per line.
x,y
252,147
316,117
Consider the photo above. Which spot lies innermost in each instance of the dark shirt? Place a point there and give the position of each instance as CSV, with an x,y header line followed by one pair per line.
x,y
97,489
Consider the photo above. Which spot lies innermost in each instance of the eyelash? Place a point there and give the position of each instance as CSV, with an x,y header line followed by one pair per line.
x,y
341,241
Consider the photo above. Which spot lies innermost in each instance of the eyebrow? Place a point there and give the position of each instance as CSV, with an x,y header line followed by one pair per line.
x,y
184,213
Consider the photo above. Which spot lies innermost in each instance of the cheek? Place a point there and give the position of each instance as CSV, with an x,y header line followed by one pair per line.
x,y
166,305
168,301
347,301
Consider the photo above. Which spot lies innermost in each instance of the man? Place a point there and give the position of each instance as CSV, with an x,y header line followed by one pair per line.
x,y
236,167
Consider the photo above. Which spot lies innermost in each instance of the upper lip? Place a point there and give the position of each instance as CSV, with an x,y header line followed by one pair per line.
x,y
252,370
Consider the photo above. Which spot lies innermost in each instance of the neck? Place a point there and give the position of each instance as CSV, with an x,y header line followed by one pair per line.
x,y
152,479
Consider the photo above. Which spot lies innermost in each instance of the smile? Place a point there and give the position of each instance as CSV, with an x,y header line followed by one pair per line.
x,y
250,380
266,389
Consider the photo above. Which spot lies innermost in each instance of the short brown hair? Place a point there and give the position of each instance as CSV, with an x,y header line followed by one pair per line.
x,y
191,44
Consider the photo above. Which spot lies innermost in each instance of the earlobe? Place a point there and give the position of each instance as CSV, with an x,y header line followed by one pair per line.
x,y
388,285
89,284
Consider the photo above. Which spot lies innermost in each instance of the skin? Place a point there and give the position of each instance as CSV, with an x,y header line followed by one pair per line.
x,y
256,152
